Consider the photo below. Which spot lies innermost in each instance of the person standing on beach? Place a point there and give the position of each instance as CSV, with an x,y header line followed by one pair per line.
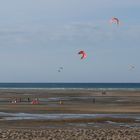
x,y
93,100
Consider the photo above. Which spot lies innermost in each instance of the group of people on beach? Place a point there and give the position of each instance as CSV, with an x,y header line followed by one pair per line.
x,y
19,100
36,100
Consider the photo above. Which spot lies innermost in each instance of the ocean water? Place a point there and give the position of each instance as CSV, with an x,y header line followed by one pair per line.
x,y
72,85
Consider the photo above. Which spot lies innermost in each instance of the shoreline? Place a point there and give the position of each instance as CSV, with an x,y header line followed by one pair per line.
x,y
86,89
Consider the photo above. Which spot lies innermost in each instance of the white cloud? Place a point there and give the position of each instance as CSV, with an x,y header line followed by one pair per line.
x,y
82,34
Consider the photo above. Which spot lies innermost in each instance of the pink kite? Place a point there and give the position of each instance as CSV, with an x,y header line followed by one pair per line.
x,y
115,20
84,55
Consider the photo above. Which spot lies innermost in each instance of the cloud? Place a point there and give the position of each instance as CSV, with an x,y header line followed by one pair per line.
x,y
72,34
91,34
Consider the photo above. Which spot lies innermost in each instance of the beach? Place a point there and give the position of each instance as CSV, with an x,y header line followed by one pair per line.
x,y
70,134
73,101
69,114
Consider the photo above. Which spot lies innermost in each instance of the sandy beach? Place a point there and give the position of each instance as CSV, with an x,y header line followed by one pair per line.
x,y
112,114
70,134
74,101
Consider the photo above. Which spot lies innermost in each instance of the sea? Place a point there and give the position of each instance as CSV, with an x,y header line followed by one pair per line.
x,y
129,86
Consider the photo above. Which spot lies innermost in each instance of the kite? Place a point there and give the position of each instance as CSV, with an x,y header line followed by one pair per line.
x,y
60,69
84,55
115,20
131,67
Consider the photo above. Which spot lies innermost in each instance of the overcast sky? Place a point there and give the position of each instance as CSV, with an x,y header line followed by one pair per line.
x,y
39,36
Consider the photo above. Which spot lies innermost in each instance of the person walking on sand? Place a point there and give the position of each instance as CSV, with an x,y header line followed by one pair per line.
x,y
28,99
93,100
60,102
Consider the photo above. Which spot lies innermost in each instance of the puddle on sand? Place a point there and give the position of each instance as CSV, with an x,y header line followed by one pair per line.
x,y
28,116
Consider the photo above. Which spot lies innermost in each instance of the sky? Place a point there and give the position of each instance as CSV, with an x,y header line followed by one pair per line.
x,y
37,37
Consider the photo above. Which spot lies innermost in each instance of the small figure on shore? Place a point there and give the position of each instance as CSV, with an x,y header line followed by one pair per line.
x,y
28,99
93,100
103,93
35,101
19,99
14,101
61,102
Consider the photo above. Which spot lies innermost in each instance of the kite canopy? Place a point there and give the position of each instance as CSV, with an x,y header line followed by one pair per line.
x,y
115,20
131,67
84,55
60,69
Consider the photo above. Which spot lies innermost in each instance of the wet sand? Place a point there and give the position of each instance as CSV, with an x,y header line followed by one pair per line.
x,y
72,102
